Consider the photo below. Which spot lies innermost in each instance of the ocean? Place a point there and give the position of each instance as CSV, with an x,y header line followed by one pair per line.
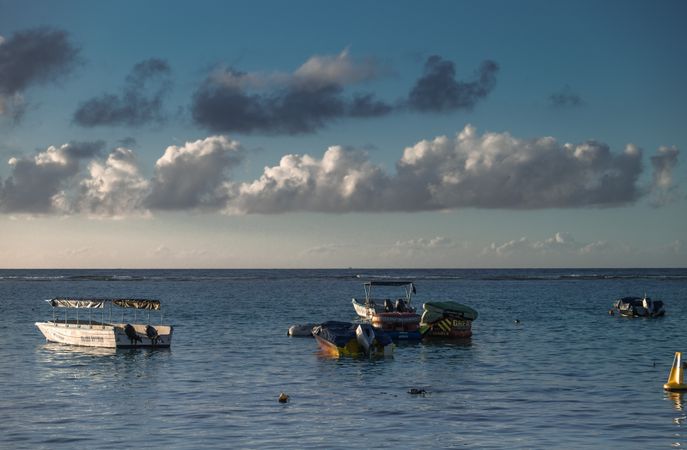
x,y
566,375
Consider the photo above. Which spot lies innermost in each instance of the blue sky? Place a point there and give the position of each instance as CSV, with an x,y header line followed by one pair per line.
x,y
315,134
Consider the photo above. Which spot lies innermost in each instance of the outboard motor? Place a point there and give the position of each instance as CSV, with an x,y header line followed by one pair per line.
x,y
388,305
365,335
131,333
152,334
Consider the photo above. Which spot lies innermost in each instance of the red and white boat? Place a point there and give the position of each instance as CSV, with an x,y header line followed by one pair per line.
x,y
398,317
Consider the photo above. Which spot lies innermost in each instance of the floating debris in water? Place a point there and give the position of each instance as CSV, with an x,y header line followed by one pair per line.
x,y
283,398
415,391
516,321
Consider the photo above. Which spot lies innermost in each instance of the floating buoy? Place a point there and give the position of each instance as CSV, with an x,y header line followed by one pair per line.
x,y
516,321
283,398
676,377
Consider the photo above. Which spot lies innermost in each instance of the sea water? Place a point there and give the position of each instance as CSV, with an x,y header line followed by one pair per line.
x,y
547,366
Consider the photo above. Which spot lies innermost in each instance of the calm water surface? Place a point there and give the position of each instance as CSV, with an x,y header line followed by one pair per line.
x,y
567,376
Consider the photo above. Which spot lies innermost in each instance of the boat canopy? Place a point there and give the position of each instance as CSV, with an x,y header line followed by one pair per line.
x,y
136,303
392,283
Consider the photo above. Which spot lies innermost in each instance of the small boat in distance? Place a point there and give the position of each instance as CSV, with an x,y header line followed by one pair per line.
x,y
93,333
352,339
639,307
396,318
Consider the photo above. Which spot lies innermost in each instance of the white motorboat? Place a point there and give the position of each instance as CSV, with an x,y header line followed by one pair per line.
x,y
92,332
397,318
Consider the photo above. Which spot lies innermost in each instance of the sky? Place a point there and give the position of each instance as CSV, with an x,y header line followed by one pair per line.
x,y
309,134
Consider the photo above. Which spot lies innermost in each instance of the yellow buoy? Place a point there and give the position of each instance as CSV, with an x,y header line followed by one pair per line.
x,y
675,379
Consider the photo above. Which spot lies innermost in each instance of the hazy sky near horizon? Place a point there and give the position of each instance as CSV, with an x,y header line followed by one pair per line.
x,y
357,134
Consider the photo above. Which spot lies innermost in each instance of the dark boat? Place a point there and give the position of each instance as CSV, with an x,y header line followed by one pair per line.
x,y
639,307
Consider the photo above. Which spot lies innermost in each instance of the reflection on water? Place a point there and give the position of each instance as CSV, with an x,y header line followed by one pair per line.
x,y
54,349
97,365
677,399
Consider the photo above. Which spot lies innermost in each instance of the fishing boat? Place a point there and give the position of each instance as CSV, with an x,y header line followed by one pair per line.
x,y
397,317
352,339
447,320
91,332
639,307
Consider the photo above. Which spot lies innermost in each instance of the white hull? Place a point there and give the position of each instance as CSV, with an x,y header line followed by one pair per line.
x,y
363,311
103,335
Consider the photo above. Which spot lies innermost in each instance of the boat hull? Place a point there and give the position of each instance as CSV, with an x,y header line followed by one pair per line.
x,y
105,335
352,348
400,326
448,328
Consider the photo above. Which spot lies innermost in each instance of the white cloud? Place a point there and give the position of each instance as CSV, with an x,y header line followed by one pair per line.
x,y
491,170
340,69
318,70
114,188
342,181
193,175
496,170
40,184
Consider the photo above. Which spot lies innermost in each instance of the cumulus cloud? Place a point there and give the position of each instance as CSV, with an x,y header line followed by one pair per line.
x,y
39,185
438,90
279,103
139,103
113,188
565,98
663,164
468,170
492,170
344,180
497,170
30,57
194,175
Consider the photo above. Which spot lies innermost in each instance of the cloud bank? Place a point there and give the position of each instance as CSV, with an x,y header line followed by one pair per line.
x,y
39,185
468,170
559,243
281,103
317,93
31,57
139,103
